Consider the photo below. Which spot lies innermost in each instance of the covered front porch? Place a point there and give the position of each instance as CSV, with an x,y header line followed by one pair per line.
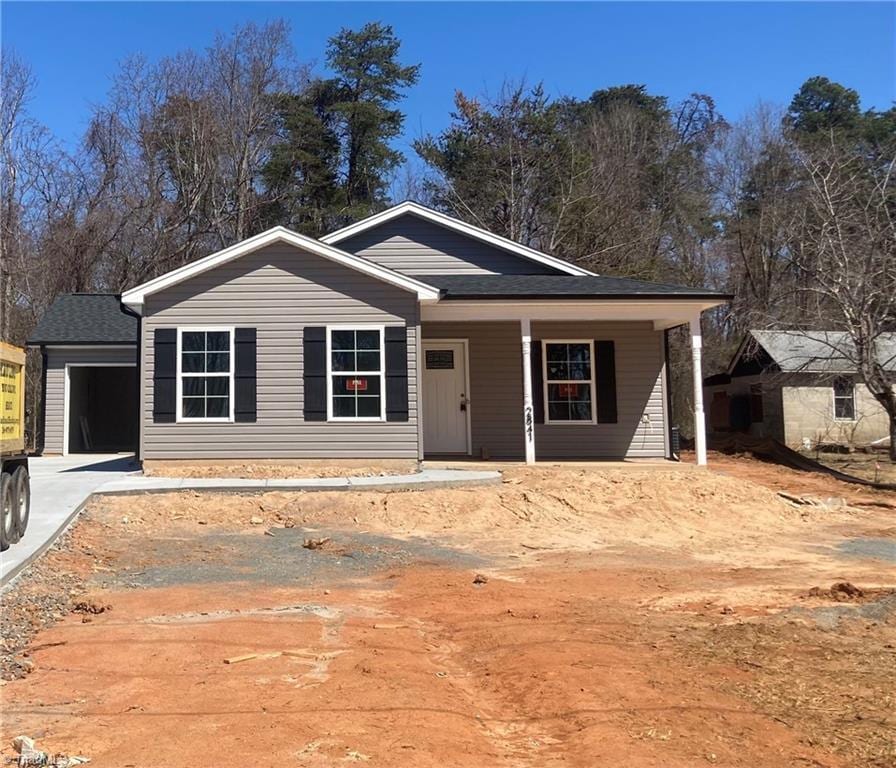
x,y
552,380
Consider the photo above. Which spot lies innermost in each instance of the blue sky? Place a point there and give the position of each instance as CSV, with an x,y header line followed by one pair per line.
x,y
738,53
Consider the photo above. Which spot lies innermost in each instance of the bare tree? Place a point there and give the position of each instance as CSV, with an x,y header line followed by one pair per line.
x,y
847,252
173,159
759,189
17,138
245,73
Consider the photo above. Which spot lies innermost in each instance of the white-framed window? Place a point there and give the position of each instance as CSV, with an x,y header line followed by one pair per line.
x,y
356,377
844,399
568,369
205,374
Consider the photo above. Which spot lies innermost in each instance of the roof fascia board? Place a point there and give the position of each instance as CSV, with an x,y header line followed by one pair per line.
x,y
712,300
456,225
135,297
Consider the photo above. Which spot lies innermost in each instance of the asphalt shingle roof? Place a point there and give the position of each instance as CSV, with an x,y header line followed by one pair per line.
x,y
820,351
85,318
560,287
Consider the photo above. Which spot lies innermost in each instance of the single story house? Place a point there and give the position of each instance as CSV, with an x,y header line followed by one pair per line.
x,y
405,335
800,388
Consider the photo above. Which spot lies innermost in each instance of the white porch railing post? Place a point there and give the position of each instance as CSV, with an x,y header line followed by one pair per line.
x,y
528,409
699,418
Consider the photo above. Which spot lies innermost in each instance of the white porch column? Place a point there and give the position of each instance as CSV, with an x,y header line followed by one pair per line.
x,y
528,410
699,418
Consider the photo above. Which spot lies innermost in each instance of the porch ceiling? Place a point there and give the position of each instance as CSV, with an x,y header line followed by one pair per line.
x,y
661,313
566,297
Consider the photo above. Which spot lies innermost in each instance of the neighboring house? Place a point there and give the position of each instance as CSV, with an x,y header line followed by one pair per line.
x,y
799,388
405,335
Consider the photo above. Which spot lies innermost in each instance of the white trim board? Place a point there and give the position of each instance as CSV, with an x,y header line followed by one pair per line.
x,y
136,297
66,394
179,418
545,382
456,225
381,374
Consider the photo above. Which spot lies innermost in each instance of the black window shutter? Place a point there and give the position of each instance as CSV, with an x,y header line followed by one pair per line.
x,y
164,376
244,375
314,349
537,383
605,380
397,373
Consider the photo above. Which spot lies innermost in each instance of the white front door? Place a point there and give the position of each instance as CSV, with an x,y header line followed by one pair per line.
x,y
445,396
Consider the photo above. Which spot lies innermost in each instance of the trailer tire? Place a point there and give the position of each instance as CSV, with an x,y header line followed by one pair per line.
x,y
5,510
21,482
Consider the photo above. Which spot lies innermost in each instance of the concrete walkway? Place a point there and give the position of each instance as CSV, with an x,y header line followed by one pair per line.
x,y
61,486
427,478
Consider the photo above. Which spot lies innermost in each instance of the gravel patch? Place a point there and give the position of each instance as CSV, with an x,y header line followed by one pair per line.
x,y
39,598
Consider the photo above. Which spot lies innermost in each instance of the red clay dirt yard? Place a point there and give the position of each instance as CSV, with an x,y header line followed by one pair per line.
x,y
570,616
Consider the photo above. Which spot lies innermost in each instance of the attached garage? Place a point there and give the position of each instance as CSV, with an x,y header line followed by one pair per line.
x,y
90,384
102,408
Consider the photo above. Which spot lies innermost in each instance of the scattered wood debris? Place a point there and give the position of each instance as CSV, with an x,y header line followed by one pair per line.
x,y
827,502
798,500
262,656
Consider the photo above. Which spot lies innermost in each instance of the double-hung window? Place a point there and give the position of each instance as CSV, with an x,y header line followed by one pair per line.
x,y
568,381
844,399
355,375
205,374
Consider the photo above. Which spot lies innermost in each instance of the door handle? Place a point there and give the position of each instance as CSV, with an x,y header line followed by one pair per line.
x,y
463,402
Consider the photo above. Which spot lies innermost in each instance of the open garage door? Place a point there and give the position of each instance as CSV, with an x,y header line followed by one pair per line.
x,y
102,409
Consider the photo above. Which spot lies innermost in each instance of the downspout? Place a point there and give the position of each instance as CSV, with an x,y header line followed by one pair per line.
x,y
139,377
139,384
41,442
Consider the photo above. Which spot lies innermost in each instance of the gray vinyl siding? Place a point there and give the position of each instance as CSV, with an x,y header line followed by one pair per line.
x,y
278,291
415,246
640,429
496,391
54,405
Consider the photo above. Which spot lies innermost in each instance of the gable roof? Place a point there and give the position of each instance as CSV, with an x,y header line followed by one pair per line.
x,y
135,297
85,318
795,351
477,233
563,287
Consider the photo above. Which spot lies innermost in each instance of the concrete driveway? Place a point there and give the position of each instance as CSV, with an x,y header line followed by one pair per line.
x,y
59,486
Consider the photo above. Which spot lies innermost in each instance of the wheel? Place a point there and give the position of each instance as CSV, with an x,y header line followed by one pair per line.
x,y
21,511
5,510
